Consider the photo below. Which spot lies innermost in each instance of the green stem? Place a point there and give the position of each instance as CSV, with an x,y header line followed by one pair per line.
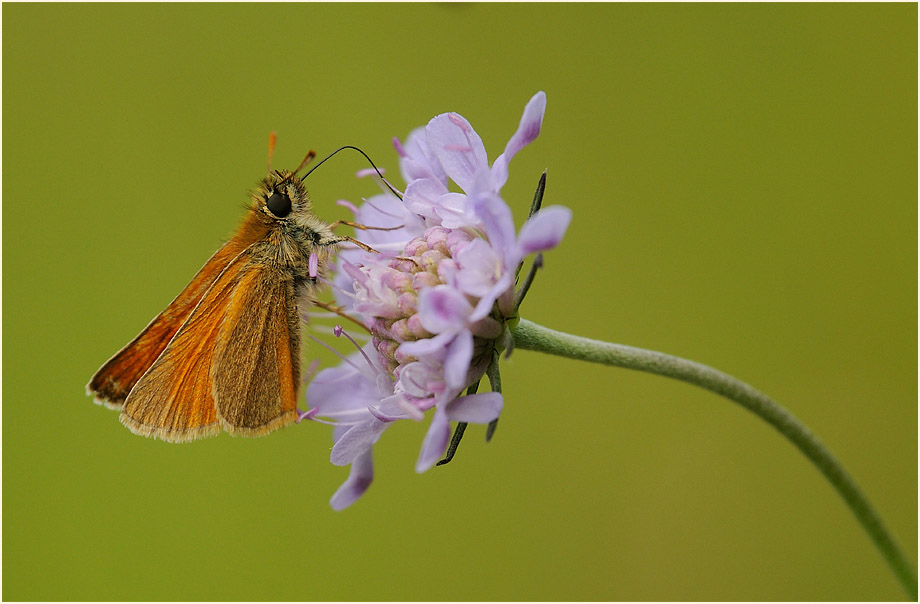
x,y
530,336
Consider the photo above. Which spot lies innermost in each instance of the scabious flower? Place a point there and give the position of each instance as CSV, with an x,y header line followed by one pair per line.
x,y
438,298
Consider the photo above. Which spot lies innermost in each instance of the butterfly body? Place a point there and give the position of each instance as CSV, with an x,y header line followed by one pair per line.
x,y
225,354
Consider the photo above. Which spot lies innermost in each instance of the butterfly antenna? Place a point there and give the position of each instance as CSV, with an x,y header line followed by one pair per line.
x,y
306,160
271,149
376,169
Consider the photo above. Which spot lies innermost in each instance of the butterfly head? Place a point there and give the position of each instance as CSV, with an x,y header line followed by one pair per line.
x,y
281,196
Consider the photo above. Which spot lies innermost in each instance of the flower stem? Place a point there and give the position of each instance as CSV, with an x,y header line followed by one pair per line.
x,y
530,336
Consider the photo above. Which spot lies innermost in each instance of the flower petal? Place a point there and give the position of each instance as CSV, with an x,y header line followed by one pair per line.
x,y
528,130
389,409
421,196
453,210
443,308
435,442
544,230
479,268
387,210
342,281
415,379
426,347
499,225
457,361
484,306
417,161
344,390
460,150
475,408
359,479
358,439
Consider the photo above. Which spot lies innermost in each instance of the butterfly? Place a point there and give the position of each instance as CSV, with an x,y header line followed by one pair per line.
x,y
225,354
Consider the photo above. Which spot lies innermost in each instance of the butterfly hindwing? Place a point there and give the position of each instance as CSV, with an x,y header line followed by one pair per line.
x,y
256,366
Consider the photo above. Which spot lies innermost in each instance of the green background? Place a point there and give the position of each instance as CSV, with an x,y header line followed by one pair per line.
x,y
743,181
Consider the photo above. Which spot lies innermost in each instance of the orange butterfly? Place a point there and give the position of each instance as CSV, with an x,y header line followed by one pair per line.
x,y
226,352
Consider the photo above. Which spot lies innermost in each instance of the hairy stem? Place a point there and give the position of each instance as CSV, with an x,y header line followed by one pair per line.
x,y
530,336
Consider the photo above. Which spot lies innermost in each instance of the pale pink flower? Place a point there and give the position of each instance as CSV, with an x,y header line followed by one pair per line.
x,y
437,299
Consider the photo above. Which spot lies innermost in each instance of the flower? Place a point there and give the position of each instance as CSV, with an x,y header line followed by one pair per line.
x,y
438,298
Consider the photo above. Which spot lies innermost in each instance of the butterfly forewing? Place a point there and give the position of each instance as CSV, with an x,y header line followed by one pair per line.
x,y
114,380
173,400
255,372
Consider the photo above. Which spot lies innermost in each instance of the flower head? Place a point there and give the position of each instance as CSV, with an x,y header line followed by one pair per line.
x,y
437,299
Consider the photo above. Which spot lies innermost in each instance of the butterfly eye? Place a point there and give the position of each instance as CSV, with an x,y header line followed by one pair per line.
x,y
279,204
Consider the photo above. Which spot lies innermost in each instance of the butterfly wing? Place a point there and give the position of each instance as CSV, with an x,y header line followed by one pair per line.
x,y
173,400
256,367
114,380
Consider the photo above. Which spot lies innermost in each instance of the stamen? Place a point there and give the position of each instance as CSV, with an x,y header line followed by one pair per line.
x,y
311,371
424,202
459,121
385,213
313,264
412,410
347,204
465,150
399,148
324,281
376,412
339,331
454,211
302,415
335,352
368,172
340,422
342,290
328,331
341,312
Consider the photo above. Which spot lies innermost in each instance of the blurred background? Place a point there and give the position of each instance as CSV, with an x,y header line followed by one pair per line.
x,y
744,187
